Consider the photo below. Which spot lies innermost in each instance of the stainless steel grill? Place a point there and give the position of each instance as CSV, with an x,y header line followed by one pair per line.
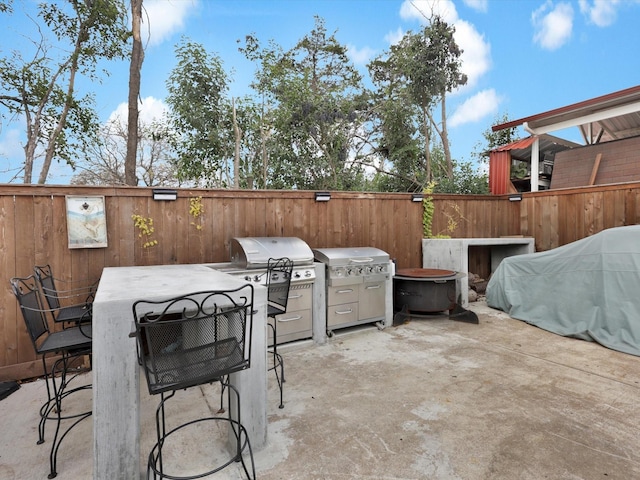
x,y
249,260
250,256
356,285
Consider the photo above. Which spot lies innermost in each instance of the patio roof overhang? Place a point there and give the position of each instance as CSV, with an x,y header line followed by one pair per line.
x,y
601,119
614,116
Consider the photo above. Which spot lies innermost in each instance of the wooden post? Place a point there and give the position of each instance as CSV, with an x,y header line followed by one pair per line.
x,y
594,170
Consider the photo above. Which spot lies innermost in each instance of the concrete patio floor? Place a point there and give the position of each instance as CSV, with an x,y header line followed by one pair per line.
x,y
429,399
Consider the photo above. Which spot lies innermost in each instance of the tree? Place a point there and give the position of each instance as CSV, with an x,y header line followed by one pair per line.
x,y
466,180
104,162
316,104
41,90
197,89
493,139
137,56
421,69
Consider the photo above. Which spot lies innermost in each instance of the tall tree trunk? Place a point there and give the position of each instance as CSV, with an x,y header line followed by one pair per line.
x,y
137,56
236,153
62,120
445,135
427,143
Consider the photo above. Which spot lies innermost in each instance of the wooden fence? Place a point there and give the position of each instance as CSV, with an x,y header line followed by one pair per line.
x,y
33,231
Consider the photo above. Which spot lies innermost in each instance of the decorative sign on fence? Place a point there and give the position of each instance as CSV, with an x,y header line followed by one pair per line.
x,y
86,221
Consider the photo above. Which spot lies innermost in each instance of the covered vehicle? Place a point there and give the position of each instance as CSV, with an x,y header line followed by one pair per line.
x,y
588,289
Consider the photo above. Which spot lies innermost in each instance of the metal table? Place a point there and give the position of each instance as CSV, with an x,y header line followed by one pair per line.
x,y
116,373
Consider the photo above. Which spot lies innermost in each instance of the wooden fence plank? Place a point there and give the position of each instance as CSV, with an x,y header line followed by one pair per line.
x,y
10,320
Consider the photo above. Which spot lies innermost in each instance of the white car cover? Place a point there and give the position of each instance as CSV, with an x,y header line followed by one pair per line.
x,y
589,289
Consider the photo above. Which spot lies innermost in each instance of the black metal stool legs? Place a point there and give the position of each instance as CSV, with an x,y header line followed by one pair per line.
x,y
278,362
155,465
60,392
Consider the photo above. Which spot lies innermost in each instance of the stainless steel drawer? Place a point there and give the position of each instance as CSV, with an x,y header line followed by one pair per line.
x,y
342,294
290,323
300,298
341,314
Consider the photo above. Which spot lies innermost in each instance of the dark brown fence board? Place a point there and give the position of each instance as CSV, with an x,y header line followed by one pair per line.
x,y
9,316
630,206
613,213
25,254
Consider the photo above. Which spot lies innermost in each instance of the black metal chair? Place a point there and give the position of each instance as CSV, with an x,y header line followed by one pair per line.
x,y
193,340
71,346
70,305
279,272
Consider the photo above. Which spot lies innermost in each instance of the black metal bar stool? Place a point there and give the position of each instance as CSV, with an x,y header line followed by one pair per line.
x,y
68,305
193,340
278,285
71,346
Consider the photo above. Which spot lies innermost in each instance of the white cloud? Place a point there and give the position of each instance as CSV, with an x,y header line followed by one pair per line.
x,y
476,52
360,56
600,12
552,25
479,5
394,37
475,108
162,18
149,109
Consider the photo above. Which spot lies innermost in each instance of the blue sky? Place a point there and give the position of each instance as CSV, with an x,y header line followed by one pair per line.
x,y
522,56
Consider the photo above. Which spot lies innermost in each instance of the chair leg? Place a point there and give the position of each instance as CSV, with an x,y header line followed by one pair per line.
x,y
240,432
51,405
223,386
60,392
155,468
278,362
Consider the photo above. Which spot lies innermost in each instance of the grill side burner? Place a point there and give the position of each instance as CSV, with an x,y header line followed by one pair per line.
x,y
356,285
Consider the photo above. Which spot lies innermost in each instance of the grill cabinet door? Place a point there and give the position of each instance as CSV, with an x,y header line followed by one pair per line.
x,y
372,300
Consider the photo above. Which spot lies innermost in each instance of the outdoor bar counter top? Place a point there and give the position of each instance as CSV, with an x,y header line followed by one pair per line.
x,y
116,373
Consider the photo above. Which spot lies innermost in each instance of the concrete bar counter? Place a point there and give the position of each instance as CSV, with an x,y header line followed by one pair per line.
x,y
116,373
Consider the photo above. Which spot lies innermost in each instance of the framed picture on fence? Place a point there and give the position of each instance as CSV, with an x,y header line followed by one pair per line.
x,y
86,221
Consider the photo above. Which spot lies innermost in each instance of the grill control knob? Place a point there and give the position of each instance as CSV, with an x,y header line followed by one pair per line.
x,y
256,278
247,278
297,274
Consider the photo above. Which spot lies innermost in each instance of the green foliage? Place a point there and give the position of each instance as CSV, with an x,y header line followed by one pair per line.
x,y
411,79
197,87
465,180
39,86
493,140
427,211
315,105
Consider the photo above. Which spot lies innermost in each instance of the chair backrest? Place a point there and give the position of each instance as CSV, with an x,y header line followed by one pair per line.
x,y
28,295
194,339
48,286
279,272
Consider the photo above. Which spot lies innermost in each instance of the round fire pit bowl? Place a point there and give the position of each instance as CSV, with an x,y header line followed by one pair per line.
x,y
425,290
